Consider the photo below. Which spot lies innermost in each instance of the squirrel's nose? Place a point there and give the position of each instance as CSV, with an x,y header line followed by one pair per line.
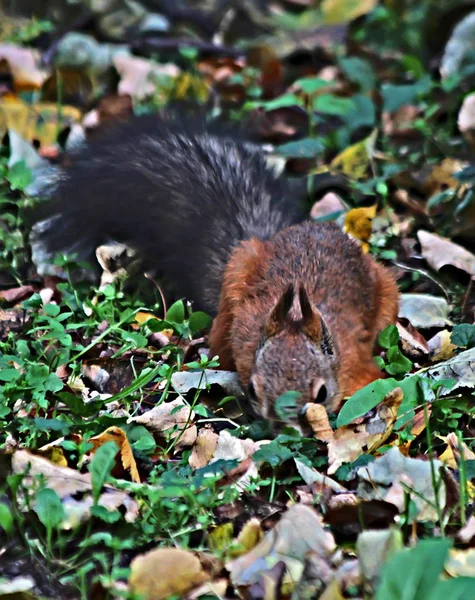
x,y
319,391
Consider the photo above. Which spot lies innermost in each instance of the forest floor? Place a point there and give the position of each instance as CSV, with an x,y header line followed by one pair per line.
x,y
127,466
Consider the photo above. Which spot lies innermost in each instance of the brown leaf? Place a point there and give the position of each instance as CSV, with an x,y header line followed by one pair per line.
x,y
69,484
351,441
204,448
119,437
17,294
440,252
165,572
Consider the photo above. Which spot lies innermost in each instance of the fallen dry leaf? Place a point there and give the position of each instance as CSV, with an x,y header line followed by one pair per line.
x,y
171,418
68,484
467,534
299,533
442,177
353,440
119,437
440,252
249,536
466,118
24,66
138,76
355,160
204,448
452,454
413,343
383,479
374,548
424,311
461,563
460,369
40,121
330,204
163,572
441,347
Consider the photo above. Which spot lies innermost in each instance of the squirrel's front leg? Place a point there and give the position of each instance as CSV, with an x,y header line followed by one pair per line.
x,y
244,269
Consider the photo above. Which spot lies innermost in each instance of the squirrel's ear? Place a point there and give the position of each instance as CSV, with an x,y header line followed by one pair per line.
x,y
312,322
278,317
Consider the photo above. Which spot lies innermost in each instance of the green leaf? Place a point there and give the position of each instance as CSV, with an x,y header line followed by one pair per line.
x,y
413,574
388,337
137,339
198,321
176,312
6,519
286,406
395,96
398,363
470,469
51,425
273,453
52,310
10,375
333,105
109,516
101,466
365,399
359,71
37,375
280,102
19,176
306,148
310,85
48,507
463,335
53,383
460,588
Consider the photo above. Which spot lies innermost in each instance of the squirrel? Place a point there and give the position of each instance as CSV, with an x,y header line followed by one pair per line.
x,y
296,304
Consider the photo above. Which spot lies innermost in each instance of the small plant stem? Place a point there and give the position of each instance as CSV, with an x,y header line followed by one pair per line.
x,y
104,334
435,484
463,479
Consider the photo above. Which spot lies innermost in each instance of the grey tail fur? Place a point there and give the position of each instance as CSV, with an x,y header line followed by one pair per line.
x,y
179,193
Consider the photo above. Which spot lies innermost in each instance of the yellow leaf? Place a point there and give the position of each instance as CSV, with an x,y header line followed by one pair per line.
x,y
165,572
251,534
39,121
355,160
221,536
117,435
143,317
56,455
344,11
358,224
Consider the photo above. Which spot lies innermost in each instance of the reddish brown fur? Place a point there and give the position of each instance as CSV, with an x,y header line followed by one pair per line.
x,y
356,296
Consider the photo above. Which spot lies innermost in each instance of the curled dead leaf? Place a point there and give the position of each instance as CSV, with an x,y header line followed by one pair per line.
x,y
440,252
119,437
204,448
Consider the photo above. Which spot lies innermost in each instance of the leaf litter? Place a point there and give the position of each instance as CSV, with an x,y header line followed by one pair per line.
x,y
164,477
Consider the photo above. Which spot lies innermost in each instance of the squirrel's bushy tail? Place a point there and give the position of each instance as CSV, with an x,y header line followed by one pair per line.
x,y
179,193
